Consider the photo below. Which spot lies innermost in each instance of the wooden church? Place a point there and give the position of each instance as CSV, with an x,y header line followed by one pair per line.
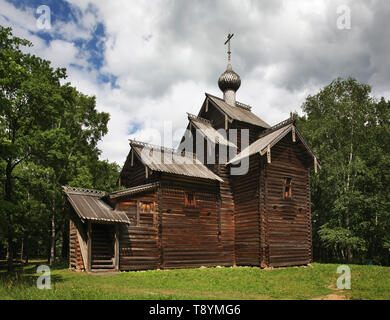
x,y
188,212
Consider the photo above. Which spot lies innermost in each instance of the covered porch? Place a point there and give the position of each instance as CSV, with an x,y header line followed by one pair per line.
x,y
94,231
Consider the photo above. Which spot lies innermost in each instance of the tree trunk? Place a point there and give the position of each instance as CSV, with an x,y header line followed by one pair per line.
x,y
65,240
21,252
53,234
10,265
347,221
8,192
53,237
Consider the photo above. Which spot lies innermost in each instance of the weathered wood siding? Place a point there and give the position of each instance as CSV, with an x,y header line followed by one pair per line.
x,y
287,222
215,115
253,131
192,237
138,242
135,175
226,210
75,257
246,216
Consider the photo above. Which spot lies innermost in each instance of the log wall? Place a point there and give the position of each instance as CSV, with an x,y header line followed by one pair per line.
x,y
134,175
75,257
254,132
287,222
246,216
138,242
192,237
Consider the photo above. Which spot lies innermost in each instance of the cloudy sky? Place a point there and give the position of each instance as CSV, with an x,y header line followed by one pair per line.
x,y
150,62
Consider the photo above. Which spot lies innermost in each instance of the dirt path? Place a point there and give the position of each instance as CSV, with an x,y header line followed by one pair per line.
x,y
332,296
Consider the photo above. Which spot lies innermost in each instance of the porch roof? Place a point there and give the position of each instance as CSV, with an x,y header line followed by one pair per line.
x,y
89,206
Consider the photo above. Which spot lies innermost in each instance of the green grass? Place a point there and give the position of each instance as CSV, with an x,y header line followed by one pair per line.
x,y
368,282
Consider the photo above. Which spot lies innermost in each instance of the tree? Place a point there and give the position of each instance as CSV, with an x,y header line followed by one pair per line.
x,y
28,95
48,135
349,131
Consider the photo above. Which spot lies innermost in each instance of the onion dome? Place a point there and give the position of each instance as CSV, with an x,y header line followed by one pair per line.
x,y
229,80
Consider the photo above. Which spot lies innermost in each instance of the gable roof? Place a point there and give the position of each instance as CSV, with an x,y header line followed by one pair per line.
x,y
269,138
239,112
89,206
207,130
167,160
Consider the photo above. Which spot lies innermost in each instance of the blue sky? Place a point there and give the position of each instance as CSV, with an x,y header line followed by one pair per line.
x,y
150,62
64,12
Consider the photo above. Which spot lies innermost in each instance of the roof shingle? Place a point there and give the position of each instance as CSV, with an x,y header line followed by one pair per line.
x,y
171,161
208,131
89,206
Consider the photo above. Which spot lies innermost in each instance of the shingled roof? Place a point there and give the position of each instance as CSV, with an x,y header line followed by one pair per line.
x,y
89,206
207,130
239,112
133,190
168,160
269,138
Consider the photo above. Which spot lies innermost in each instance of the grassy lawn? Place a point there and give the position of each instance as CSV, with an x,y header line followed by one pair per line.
x,y
318,281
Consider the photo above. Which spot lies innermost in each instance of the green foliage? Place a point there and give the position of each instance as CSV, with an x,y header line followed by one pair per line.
x,y
349,131
48,138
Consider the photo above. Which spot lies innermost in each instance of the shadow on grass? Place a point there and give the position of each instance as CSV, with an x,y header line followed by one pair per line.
x,y
26,274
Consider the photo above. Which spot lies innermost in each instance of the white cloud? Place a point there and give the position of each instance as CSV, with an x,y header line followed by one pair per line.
x,y
166,54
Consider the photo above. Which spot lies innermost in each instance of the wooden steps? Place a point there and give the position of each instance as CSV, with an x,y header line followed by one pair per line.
x,y
102,256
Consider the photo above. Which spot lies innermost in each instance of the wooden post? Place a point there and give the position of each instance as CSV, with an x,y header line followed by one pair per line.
x,y
207,105
315,165
116,248
89,244
226,122
293,134
132,157
268,154
146,172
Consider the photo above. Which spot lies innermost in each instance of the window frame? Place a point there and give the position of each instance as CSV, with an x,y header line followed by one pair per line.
x,y
187,203
287,183
152,211
143,202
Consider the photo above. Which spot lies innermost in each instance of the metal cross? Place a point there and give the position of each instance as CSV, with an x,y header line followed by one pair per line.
x,y
228,42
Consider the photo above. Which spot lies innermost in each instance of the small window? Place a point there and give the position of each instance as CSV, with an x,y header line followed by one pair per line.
x,y
287,188
190,200
146,207
146,213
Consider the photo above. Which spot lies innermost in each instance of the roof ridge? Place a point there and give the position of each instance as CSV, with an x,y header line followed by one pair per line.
x,y
187,154
194,117
239,112
238,103
136,143
91,192
243,106
276,127
134,189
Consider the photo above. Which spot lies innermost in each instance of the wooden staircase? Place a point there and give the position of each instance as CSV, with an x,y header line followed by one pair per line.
x,y
102,255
